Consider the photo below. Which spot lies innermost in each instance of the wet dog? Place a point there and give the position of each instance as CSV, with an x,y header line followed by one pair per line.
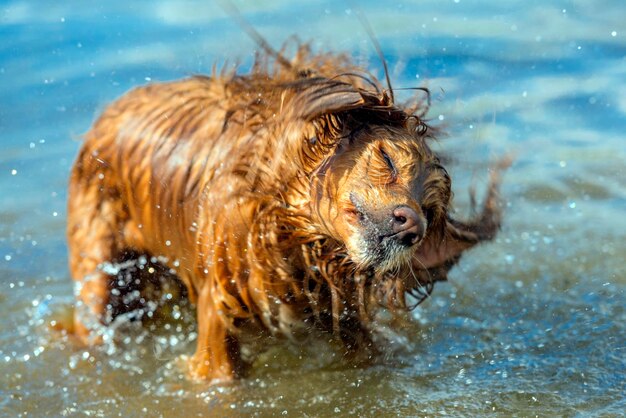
x,y
298,195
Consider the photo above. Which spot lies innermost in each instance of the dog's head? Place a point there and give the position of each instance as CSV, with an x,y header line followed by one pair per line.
x,y
377,188
382,193
359,204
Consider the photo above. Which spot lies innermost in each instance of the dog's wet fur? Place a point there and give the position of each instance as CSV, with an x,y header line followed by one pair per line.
x,y
291,197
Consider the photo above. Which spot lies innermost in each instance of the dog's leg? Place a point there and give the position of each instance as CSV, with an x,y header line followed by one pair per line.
x,y
221,273
217,356
94,237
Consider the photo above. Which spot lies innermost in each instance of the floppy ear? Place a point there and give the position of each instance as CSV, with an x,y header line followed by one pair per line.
x,y
311,124
435,259
321,96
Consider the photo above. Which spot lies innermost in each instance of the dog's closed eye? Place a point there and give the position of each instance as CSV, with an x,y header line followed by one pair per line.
x,y
390,164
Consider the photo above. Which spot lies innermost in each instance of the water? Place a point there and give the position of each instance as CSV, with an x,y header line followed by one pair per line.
x,y
532,324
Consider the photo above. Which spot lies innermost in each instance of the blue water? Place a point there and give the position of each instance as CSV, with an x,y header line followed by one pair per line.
x,y
531,324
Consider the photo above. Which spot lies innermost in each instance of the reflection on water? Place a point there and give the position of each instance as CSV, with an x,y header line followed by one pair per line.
x,y
531,324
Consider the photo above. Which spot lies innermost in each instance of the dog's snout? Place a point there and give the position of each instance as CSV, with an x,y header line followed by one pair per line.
x,y
407,226
403,218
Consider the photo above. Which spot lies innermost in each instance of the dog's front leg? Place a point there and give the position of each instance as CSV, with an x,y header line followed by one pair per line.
x,y
221,273
217,355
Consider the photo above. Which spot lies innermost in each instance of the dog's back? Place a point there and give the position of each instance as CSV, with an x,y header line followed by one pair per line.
x,y
143,166
150,156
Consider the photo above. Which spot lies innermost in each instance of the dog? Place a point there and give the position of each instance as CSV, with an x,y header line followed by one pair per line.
x,y
297,196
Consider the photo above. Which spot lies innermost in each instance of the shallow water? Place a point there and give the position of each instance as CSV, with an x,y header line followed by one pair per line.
x,y
531,324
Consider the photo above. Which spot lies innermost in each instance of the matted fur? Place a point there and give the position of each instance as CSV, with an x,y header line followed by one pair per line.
x,y
262,191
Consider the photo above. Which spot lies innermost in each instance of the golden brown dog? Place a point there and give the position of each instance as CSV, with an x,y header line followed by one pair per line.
x,y
299,195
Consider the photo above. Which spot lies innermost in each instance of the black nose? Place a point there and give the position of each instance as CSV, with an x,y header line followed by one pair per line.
x,y
407,226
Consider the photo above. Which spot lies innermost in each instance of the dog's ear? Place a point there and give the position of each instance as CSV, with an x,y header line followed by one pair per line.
x,y
438,256
317,97
313,120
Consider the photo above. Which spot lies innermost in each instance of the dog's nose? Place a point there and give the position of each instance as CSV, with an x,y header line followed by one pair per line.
x,y
407,226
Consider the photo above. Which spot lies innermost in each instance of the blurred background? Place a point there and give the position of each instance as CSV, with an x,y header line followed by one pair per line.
x,y
533,323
